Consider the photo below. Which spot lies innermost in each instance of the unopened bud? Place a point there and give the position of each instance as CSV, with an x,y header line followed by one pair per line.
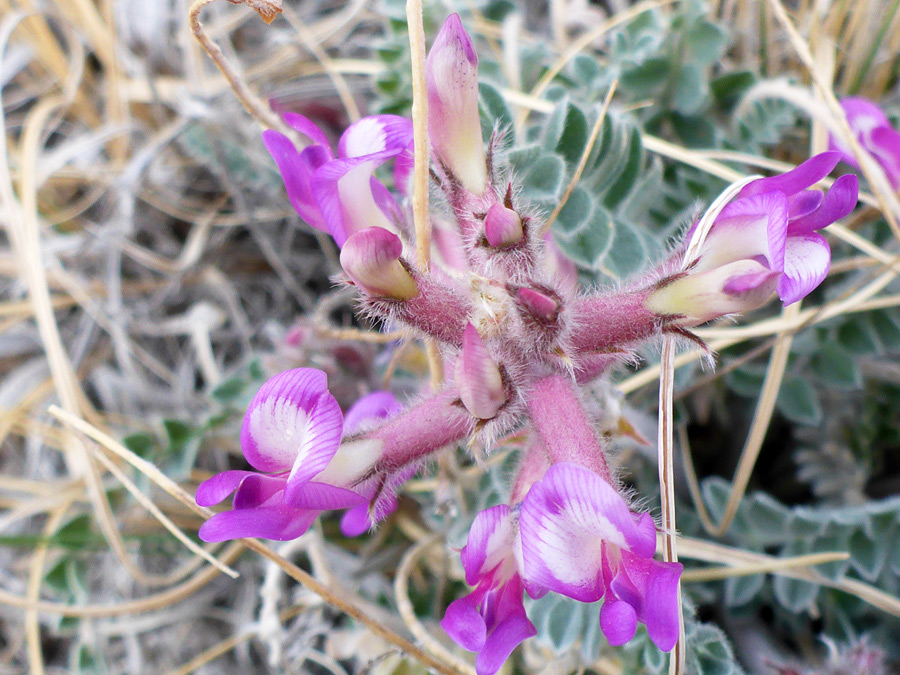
x,y
503,227
454,124
478,378
371,258
542,305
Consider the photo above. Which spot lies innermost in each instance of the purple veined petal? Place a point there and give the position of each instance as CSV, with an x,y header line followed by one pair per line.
x,y
296,170
657,583
804,203
885,146
256,489
806,263
276,419
385,201
644,544
403,170
377,134
320,443
343,191
277,522
508,635
563,523
374,407
490,540
618,621
309,129
803,176
324,497
215,489
463,622
748,227
838,203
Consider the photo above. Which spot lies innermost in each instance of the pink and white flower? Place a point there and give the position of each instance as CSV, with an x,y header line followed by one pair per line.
x,y
292,431
763,242
340,195
490,620
580,539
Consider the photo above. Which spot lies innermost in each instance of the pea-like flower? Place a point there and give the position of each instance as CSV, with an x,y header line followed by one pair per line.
x,y
340,195
292,435
580,539
765,241
490,620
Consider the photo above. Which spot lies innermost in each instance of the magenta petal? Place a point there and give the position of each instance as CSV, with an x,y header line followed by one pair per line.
x,y
319,445
276,420
297,169
644,544
464,624
804,203
745,283
323,497
256,489
356,521
885,146
308,128
809,173
502,641
806,262
376,134
863,115
838,203
280,523
403,169
661,604
491,526
618,621
377,406
564,520
215,489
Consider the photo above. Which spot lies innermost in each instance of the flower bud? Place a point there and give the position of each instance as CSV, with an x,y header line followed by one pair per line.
x,y
478,378
371,258
541,305
503,227
454,124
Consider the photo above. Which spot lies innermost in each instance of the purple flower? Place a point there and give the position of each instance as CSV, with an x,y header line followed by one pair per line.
x,y
491,619
875,134
292,432
340,195
580,539
764,241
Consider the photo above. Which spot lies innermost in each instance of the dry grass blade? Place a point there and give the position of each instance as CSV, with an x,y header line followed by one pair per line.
x,y
706,551
728,572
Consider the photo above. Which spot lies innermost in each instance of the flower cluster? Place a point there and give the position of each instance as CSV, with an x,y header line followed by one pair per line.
x,y
517,341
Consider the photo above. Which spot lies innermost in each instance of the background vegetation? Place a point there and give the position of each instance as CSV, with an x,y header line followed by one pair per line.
x,y
153,274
